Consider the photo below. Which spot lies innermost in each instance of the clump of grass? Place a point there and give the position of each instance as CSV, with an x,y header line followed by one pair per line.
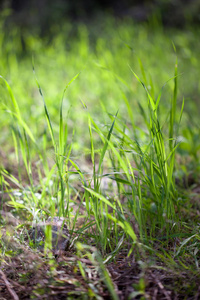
x,y
155,169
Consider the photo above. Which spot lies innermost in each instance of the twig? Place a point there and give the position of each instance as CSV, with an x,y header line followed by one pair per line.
x,y
160,285
8,285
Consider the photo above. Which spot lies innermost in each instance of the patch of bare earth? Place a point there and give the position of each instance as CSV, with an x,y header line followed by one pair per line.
x,y
29,274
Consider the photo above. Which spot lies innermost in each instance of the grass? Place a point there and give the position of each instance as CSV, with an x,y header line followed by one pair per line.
x,y
100,133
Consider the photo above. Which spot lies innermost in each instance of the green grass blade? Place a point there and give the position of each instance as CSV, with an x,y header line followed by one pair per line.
x,y
149,96
46,111
173,109
16,107
106,144
99,196
61,129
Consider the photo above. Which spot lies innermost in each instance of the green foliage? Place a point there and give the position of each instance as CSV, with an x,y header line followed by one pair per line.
x,y
112,126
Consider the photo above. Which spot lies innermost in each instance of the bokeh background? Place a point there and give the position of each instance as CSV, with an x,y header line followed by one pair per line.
x,y
103,40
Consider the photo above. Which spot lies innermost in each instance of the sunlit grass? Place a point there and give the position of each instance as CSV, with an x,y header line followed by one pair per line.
x,y
96,112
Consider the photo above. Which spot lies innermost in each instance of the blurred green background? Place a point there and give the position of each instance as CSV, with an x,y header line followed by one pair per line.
x,y
103,40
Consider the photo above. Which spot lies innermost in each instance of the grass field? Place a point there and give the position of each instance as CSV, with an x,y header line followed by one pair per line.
x,y
99,125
